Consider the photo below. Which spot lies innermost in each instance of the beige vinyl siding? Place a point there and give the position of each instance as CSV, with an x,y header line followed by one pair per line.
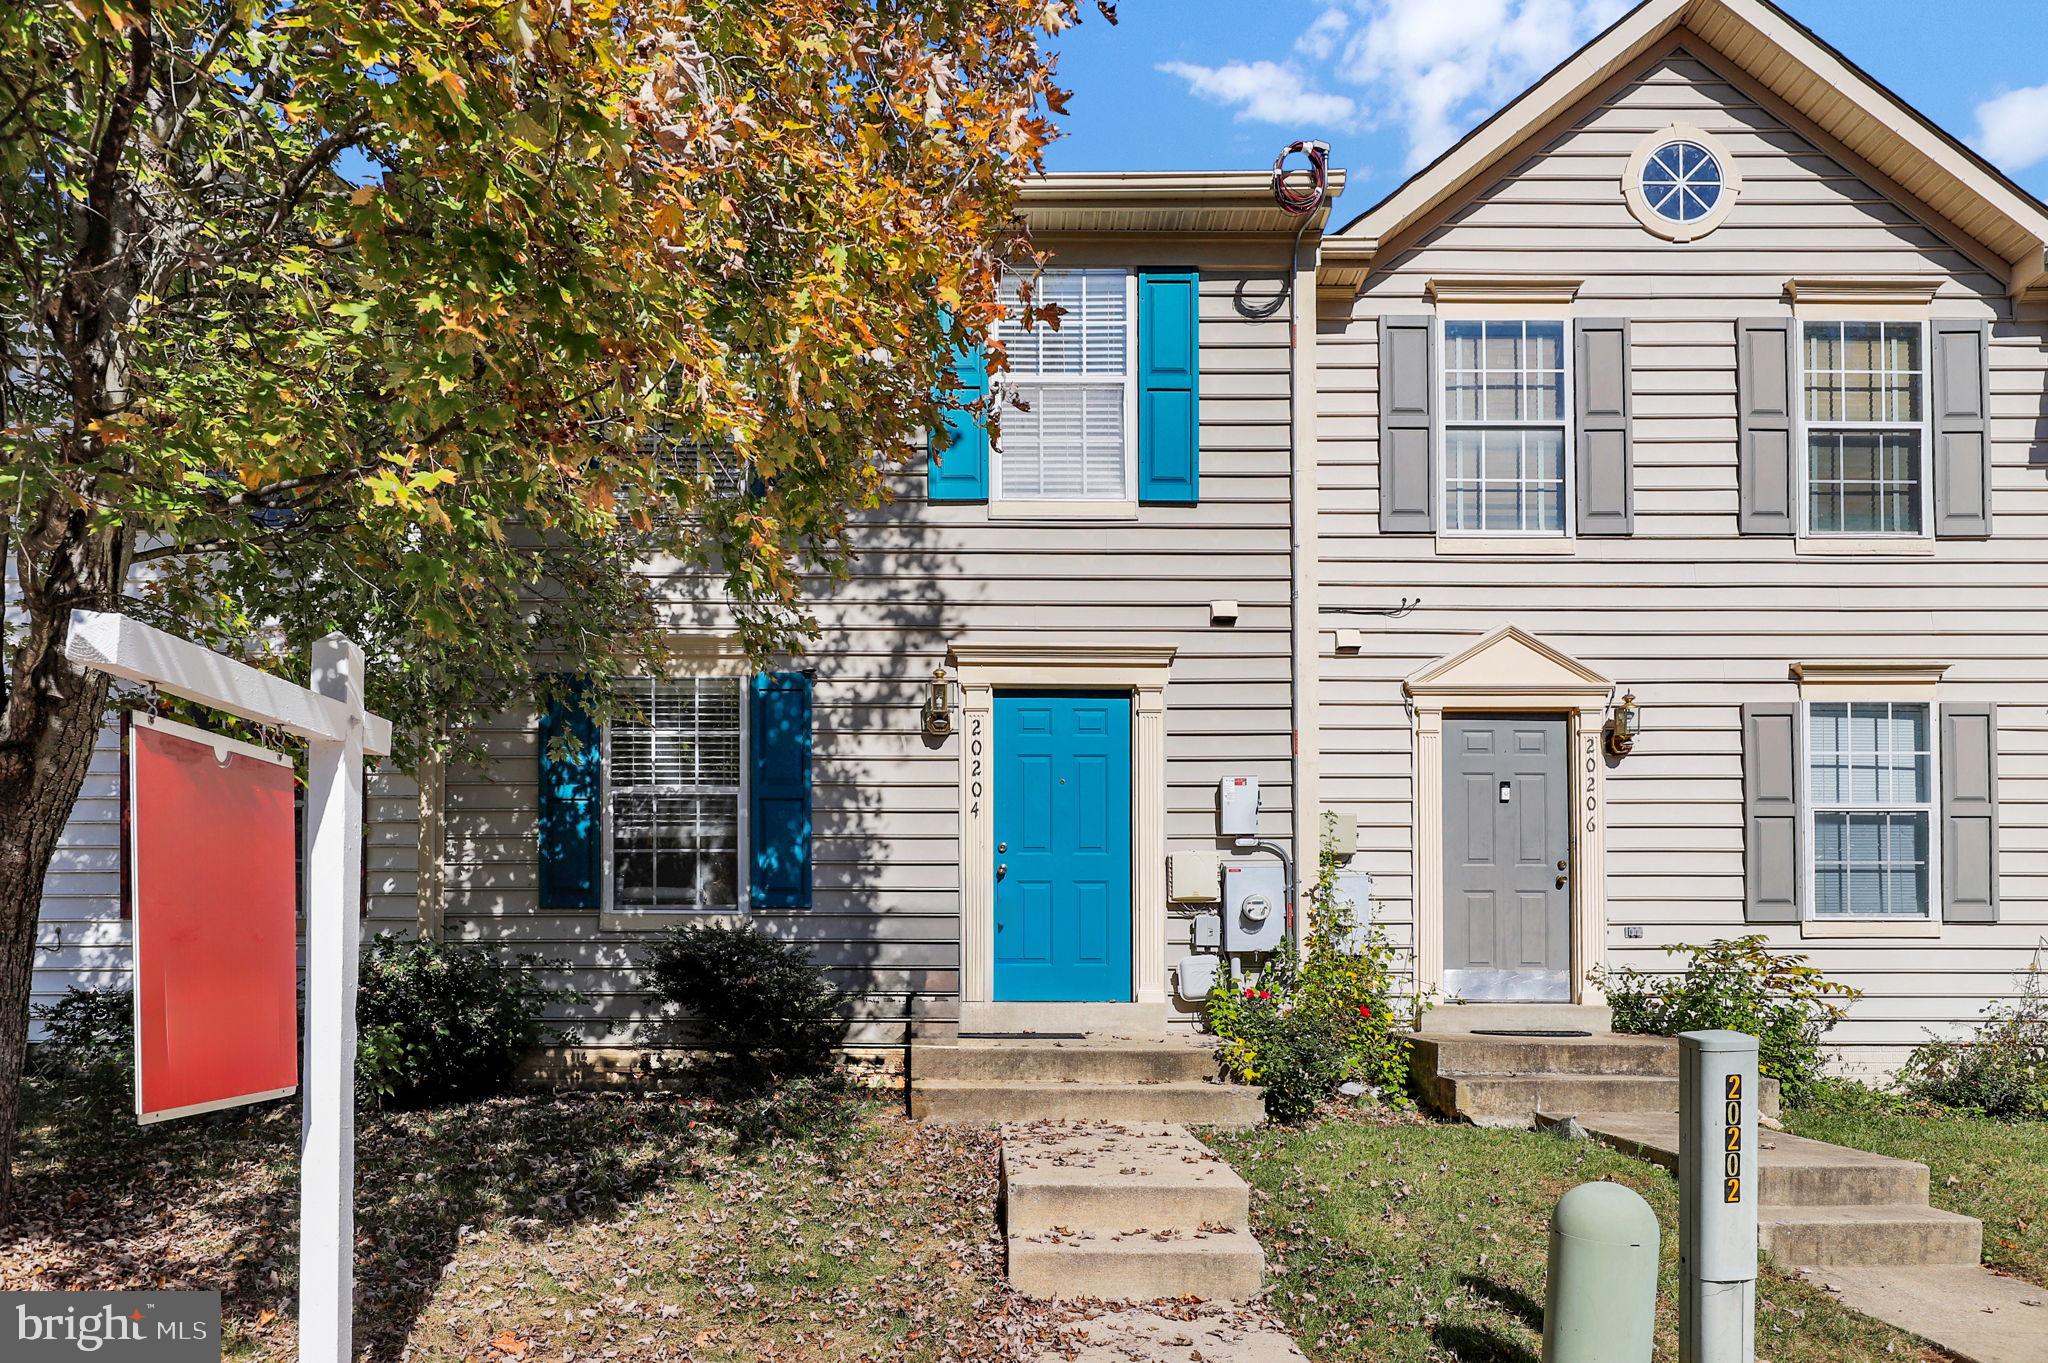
x,y
81,936
885,915
1693,617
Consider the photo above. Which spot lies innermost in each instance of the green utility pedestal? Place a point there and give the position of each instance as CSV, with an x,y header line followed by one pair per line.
x,y
1601,1302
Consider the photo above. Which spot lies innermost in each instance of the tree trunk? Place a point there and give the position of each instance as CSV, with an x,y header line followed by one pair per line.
x,y
49,720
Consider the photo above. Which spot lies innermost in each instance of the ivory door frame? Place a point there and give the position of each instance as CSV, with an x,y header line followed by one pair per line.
x,y
1142,671
1512,671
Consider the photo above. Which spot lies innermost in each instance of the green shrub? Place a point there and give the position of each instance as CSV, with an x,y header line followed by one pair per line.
x,y
2001,1073
1739,985
762,1004
444,1020
1308,1024
87,1054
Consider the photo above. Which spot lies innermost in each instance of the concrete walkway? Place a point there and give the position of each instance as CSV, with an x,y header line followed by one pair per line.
x,y
1137,1212
1973,1313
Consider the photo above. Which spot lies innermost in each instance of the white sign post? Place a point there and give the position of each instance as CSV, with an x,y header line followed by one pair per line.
x,y
338,733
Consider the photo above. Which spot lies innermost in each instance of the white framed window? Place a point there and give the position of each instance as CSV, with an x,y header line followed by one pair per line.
x,y
1069,419
1863,409
1506,428
1871,791
675,798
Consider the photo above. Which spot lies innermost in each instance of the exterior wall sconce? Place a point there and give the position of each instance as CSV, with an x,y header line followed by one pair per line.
x,y
1623,728
938,709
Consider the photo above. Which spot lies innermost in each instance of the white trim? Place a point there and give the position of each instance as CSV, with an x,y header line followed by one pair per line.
x,y
1808,910
1503,292
1075,509
221,744
1808,539
1504,671
983,667
1836,679
1655,222
1823,299
1489,545
217,1105
611,918
1078,508
1869,927
1568,495
1863,546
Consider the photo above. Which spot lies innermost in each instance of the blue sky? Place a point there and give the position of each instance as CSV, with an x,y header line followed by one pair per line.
x,y
1212,84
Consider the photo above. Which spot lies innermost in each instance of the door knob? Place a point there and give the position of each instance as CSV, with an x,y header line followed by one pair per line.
x,y
1001,870
1560,882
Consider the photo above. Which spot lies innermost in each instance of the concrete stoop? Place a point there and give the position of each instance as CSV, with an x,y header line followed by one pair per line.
x,y
1125,1211
1181,1335
1501,1081
1821,1205
1155,1079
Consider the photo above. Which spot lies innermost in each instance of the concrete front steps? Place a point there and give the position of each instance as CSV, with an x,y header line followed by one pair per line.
x,y
1125,1211
1116,1079
1513,1081
1821,1205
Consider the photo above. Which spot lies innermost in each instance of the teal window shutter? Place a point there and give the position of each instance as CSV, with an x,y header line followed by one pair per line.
x,y
1169,387
957,468
571,813
779,791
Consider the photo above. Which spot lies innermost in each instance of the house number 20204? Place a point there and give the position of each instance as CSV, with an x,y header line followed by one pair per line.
x,y
977,747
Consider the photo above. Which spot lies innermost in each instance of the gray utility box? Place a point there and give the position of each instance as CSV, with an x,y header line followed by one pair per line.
x,y
1254,906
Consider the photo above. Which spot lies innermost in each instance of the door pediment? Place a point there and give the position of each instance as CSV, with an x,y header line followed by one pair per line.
x,y
1511,666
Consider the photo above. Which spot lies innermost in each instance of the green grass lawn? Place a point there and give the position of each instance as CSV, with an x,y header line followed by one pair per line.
x,y
1420,1240
1994,1171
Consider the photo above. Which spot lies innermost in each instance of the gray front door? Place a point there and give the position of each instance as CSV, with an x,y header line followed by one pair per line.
x,y
1507,859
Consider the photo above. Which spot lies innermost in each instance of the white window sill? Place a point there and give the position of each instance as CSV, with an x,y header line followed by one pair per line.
x,y
651,920
1503,546
1859,546
1870,927
1076,510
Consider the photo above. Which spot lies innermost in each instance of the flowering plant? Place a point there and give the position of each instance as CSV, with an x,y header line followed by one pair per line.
x,y
1311,1021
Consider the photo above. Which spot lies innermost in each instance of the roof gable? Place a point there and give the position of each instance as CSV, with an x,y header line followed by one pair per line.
x,y
1507,660
1788,60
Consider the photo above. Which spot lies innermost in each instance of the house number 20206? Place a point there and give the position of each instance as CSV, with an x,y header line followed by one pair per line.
x,y
976,747
1592,774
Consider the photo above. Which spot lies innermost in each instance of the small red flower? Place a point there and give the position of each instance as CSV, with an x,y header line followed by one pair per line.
x,y
1364,1011
1251,993
1265,993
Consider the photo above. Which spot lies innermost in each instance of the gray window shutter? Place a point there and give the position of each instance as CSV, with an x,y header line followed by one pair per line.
x,y
1969,813
1962,429
1770,813
1764,394
1407,426
1606,480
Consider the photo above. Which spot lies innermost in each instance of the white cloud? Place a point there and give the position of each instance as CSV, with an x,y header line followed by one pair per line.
x,y
1266,92
1319,40
1436,69
2012,128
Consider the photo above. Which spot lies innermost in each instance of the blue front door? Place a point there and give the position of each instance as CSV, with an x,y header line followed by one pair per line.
x,y
1063,847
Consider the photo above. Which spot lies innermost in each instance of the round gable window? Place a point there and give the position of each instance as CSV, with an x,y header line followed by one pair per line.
x,y
1680,183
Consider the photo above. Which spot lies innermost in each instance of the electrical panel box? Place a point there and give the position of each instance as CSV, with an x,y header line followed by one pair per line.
x,y
1207,930
1194,976
1237,803
1354,891
1254,906
1194,877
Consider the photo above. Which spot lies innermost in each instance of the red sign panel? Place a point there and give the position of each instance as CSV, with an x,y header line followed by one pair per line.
x,y
214,881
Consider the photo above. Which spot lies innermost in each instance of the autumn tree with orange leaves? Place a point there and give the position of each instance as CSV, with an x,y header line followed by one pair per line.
x,y
427,320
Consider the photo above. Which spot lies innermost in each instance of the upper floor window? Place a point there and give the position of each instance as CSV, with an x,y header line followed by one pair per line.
x,y
1870,796
1865,413
1504,428
1682,182
1069,417
674,798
